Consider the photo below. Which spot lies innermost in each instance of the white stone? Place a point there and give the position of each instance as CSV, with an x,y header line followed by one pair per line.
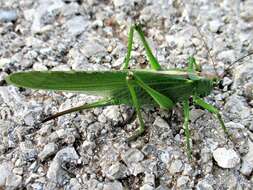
x,y
246,168
113,185
226,158
176,167
215,25
5,169
146,187
47,151
133,155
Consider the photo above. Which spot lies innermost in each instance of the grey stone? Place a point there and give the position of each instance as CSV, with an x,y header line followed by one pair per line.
x,y
116,185
116,171
6,170
182,181
236,109
246,168
162,187
13,181
8,15
247,164
215,25
76,25
248,90
74,184
57,172
132,155
28,150
147,187
243,74
204,185
120,3
44,15
176,166
226,158
49,150
93,47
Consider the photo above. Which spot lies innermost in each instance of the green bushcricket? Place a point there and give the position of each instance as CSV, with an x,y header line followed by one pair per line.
x,y
155,87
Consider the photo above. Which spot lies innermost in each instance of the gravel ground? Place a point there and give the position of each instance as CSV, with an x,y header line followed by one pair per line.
x,y
87,150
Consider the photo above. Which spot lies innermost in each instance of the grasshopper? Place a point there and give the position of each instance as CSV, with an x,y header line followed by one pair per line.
x,y
134,87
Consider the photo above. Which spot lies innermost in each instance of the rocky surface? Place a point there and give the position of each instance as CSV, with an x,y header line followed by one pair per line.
x,y
87,150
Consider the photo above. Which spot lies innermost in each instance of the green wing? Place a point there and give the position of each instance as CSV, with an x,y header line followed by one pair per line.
x,y
98,83
103,83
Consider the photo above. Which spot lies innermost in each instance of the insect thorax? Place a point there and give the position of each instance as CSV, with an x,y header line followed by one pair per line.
x,y
203,87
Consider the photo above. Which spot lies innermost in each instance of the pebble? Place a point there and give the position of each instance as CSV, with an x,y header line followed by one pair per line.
x,y
162,187
243,74
57,173
247,164
116,185
132,155
146,187
246,168
248,90
149,179
204,185
6,170
215,25
13,181
120,3
226,158
116,171
176,167
8,15
182,181
76,26
49,150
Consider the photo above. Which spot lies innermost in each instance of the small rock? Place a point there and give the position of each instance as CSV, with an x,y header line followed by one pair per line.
x,y
76,25
8,15
93,47
162,187
28,151
243,74
226,81
236,109
204,185
133,155
176,167
149,149
248,90
226,158
48,150
116,185
88,148
120,3
146,187
116,171
112,112
182,181
226,56
13,181
149,179
215,25
6,170
166,155
159,122
74,184
246,168
62,162
248,159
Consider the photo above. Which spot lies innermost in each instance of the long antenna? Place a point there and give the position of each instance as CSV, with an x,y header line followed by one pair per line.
x,y
241,58
207,48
